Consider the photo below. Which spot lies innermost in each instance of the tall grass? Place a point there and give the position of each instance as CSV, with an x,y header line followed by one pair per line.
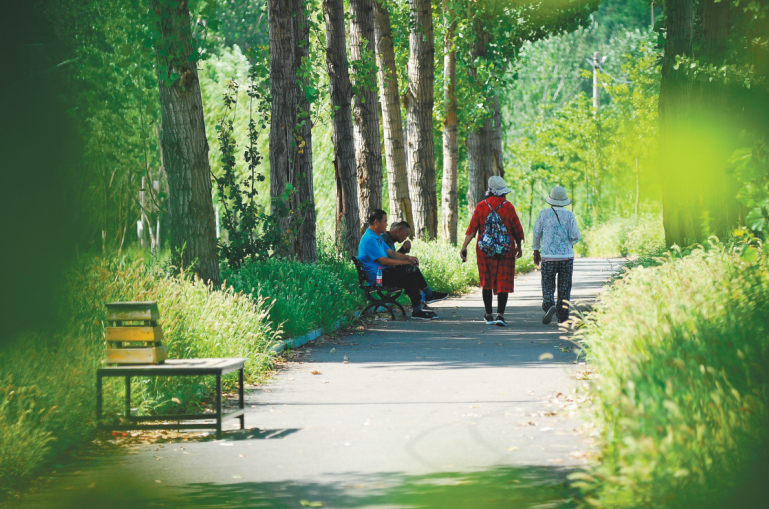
x,y
47,375
682,394
302,296
620,237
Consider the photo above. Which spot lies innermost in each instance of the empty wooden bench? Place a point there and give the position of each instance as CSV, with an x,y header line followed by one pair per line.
x,y
134,342
378,296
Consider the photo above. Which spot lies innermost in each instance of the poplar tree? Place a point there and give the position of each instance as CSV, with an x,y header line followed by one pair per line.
x,y
183,141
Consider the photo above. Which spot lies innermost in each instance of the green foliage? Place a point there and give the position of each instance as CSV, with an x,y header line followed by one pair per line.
x,y
752,170
303,297
621,237
52,370
680,395
606,159
177,47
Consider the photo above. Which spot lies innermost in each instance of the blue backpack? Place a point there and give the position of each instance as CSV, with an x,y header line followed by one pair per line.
x,y
495,241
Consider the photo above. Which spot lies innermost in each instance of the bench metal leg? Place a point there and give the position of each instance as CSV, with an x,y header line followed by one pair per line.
x,y
128,398
242,405
218,406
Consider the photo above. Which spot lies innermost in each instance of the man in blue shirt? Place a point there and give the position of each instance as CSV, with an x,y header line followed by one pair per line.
x,y
398,270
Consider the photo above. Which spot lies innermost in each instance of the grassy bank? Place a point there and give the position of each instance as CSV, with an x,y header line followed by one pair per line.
x,y
681,396
622,236
47,374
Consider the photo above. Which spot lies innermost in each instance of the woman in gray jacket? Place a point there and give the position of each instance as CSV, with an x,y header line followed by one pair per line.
x,y
555,232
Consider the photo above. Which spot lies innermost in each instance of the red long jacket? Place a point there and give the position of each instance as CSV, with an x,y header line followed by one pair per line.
x,y
497,274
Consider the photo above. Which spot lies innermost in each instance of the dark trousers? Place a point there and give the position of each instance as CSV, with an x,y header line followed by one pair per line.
x,y
564,270
409,278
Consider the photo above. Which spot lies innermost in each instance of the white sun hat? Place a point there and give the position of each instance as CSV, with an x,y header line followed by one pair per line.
x,y
558,197
497,186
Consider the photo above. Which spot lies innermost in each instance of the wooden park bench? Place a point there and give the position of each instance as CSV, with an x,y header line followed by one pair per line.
x,y
378,296
134,344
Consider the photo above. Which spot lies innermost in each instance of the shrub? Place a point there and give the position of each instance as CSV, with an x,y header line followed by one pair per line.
x,y
303,296
682,392
47,376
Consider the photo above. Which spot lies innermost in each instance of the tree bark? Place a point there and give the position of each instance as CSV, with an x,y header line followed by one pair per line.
x,y
365,111
306,242
718,112
283,118
450,206
400,202
185,150
680,203
420,99
347,217
484,145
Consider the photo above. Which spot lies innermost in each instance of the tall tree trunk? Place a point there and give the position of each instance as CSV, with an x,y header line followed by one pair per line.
x,y
717,112
450,212
420,99
347,218
400,203
306,242
497,157
185,150
680,203
365,111
283,119
484,145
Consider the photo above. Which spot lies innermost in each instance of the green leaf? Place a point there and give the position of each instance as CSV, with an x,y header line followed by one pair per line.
x,y
749,254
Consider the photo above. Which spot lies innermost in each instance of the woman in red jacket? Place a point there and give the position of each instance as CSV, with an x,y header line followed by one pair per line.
x,y
497,274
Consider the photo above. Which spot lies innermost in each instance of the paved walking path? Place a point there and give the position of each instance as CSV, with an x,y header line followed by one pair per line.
x,y
403,414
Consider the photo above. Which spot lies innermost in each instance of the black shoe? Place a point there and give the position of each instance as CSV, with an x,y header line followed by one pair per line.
x,y
436,296
489,319
423,315
425,306
549,315
500,321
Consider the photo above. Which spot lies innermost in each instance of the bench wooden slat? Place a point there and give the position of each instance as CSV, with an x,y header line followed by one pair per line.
x,y
151,355
143,334
132,311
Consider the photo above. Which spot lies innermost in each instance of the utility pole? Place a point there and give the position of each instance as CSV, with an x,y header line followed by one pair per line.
x,y
596,96
652,15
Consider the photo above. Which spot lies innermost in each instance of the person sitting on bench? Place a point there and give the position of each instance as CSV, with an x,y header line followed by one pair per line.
x,y
398,270
399,232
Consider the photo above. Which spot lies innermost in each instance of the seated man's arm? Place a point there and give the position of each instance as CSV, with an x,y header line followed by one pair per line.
x,y
386,261
400,256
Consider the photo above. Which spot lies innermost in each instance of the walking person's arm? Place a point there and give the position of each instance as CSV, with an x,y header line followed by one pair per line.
x,y
463,250
475,224
574,235
517,233
537,240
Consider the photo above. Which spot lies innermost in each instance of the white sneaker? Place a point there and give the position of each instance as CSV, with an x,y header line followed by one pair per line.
x,y
549,315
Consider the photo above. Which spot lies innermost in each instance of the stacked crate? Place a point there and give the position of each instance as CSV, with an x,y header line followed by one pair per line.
x,y
133,333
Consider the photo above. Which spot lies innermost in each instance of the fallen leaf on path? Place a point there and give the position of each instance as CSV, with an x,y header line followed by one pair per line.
x,y
513,449
545,356
236,477
333,350
315,372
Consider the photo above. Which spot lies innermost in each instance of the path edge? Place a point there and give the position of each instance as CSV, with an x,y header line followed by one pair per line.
x,y
288,343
